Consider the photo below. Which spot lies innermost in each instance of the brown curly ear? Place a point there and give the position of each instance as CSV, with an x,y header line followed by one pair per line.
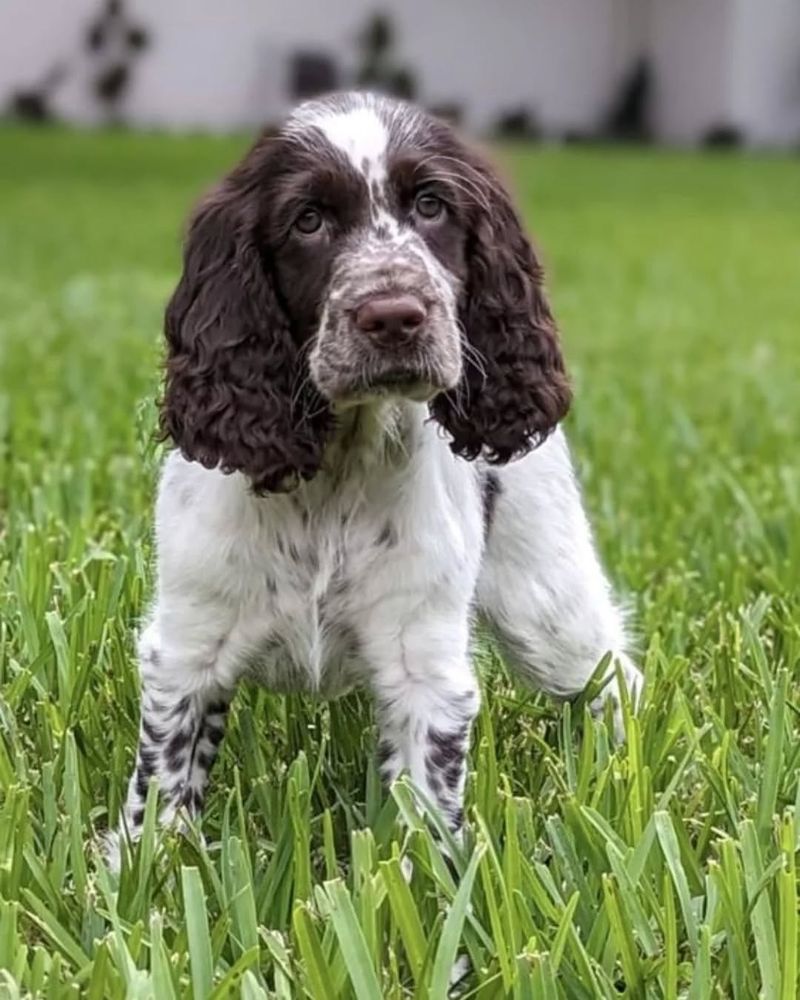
x,y
513,389
231,397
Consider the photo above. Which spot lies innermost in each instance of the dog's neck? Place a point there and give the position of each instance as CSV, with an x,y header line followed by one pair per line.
x,y
371,440
372,436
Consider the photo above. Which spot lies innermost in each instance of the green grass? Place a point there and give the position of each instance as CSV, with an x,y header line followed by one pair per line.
x,y
664,868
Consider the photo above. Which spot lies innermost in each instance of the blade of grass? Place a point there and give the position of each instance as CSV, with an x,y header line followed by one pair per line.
x,y
453,925
199,940
351,940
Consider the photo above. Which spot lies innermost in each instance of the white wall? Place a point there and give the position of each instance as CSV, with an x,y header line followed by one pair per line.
x,y
732,62
223,63
688,42
220,63
765,70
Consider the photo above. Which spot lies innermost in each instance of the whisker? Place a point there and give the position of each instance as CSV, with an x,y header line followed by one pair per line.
x,y
486,180
298,391
475,189
472,192
475,356
303,373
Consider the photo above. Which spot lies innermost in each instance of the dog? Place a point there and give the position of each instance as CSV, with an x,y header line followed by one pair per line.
x,y
364,384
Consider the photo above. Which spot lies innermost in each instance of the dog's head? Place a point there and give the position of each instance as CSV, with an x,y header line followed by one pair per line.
x,y
363,251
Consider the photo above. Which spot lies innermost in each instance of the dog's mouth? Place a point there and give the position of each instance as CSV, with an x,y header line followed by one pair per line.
x,y
399,383
397,380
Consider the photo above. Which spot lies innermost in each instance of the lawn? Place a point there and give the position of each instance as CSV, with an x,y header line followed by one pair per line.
x,y
663,868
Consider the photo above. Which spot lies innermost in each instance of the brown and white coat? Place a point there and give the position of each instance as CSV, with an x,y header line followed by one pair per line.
x,y
358,348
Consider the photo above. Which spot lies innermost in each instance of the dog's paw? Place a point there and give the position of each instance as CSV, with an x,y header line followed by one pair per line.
x,y
110,848
634,682
407,868
458,973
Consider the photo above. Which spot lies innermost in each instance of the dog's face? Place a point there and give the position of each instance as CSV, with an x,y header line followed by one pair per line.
x,y
362,252
369,242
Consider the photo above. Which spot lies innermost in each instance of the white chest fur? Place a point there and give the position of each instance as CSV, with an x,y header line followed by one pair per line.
x,y
316,573
285,587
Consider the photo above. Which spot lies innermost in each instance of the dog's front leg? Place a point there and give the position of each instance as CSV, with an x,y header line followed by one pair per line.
x,y
189,662
426,699
181,727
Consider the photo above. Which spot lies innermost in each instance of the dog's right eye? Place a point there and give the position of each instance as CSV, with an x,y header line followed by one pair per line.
x,y
308,222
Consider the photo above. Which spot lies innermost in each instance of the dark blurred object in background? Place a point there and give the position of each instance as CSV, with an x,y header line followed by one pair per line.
x,y
312,73
723,136
450,111
378,69
33,105
518,123
114,42
629,117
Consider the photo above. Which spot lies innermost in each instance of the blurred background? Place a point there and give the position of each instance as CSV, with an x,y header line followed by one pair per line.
x,y
674,71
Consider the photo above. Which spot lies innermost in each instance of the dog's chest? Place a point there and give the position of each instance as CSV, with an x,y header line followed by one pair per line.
x,y
315,574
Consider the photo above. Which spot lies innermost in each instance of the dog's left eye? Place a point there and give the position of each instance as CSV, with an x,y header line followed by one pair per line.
x,y
428,205
308,222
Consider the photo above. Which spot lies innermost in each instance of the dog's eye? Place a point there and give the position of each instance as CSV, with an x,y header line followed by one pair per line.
x,y
308,222
428,205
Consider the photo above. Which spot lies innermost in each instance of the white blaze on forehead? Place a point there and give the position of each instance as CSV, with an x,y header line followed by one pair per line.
x,y
359,128
361,135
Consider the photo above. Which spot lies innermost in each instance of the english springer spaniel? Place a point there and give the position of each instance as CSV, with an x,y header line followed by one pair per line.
x,y
358,347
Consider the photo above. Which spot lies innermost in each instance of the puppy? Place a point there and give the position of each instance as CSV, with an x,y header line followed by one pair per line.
x,y
364,384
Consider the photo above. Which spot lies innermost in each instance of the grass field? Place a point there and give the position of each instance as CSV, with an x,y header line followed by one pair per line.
x,y
665,868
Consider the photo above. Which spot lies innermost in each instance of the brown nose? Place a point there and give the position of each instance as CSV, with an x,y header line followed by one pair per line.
x,y
390,318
